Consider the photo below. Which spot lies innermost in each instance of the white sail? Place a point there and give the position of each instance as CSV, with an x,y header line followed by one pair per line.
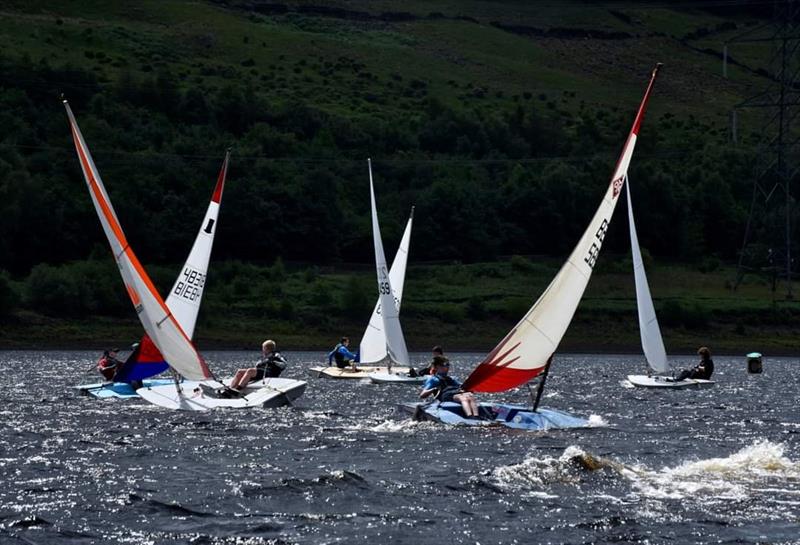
x,y
156,318
373,344
187,293
527,348
390,307
652,344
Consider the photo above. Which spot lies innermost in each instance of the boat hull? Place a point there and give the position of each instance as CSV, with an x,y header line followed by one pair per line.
x,y
495,414
270,393
347,373
395,378
119,390
643,381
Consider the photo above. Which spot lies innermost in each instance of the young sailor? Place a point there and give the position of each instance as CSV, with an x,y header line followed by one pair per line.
x,y
428,369
342,355
446,388
272,364
108,363
702,370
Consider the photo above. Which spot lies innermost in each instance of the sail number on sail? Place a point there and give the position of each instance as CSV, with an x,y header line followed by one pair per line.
x,y
594,250
191,287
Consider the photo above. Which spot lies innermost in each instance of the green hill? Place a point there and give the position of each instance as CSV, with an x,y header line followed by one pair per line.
x,y
500,120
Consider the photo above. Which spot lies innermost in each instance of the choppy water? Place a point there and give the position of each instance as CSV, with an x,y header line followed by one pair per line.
x,y
708,466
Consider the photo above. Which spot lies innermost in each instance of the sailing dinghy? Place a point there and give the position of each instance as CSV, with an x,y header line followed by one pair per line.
x,y
183,300
198,392
527,351
383,338
659,374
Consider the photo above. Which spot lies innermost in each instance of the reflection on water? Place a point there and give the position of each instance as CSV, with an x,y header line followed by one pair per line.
x,y
342,466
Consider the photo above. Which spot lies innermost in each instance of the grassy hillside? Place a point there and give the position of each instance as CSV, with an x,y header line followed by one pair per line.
x,y
500,120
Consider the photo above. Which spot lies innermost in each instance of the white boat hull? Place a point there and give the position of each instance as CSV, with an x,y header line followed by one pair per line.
x,y
395,378
655,381
270,393
347,373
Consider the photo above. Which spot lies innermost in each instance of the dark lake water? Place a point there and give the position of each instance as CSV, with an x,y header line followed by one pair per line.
x,y
343,466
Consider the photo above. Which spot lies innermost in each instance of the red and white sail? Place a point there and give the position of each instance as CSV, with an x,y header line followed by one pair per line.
x,y
186,295
524,352
390,307
157,320
373,344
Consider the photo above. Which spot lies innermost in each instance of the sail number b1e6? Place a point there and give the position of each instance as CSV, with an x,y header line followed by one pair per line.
x,y
191,286
594,250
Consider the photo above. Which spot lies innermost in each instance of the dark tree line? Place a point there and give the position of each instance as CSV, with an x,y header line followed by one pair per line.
x,y
514,179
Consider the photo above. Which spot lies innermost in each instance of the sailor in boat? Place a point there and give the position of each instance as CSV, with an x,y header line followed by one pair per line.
x,y
702,370
446,388
271,365
108,364
429,368
342,355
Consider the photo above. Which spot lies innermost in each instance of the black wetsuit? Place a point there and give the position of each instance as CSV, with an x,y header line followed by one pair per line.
x,y
696,372
271,366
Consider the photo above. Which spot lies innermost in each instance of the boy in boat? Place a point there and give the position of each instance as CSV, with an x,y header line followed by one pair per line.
x,y
342,355
271,365
108,363
702,370
446,388
429,368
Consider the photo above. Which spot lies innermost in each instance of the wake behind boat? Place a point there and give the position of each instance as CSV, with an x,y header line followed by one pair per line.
x,y
528,349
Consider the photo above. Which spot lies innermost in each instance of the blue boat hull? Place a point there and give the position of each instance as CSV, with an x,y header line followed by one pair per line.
x,y
498,414
122,390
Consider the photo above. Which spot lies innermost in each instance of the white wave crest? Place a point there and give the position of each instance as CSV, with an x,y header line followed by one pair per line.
x,y
536,471
597,421
732,477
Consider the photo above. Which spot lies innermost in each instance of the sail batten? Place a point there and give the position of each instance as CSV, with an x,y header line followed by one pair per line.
x,y
538,334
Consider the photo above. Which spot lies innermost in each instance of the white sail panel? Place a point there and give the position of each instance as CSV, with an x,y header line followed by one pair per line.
x,y
395,343
652,343
156,318
373,344
524,352
187,293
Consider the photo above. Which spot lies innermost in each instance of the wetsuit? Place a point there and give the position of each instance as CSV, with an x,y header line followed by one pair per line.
x,y
271,366
447,386
342,355
703,370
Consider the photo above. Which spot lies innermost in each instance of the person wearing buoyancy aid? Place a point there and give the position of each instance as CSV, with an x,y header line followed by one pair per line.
x,y
108,363
342,355
271,365
702,370
446,388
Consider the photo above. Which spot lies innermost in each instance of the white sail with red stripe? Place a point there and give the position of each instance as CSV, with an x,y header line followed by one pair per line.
x,y
525,351
157,320
373,344
390,307
187,293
